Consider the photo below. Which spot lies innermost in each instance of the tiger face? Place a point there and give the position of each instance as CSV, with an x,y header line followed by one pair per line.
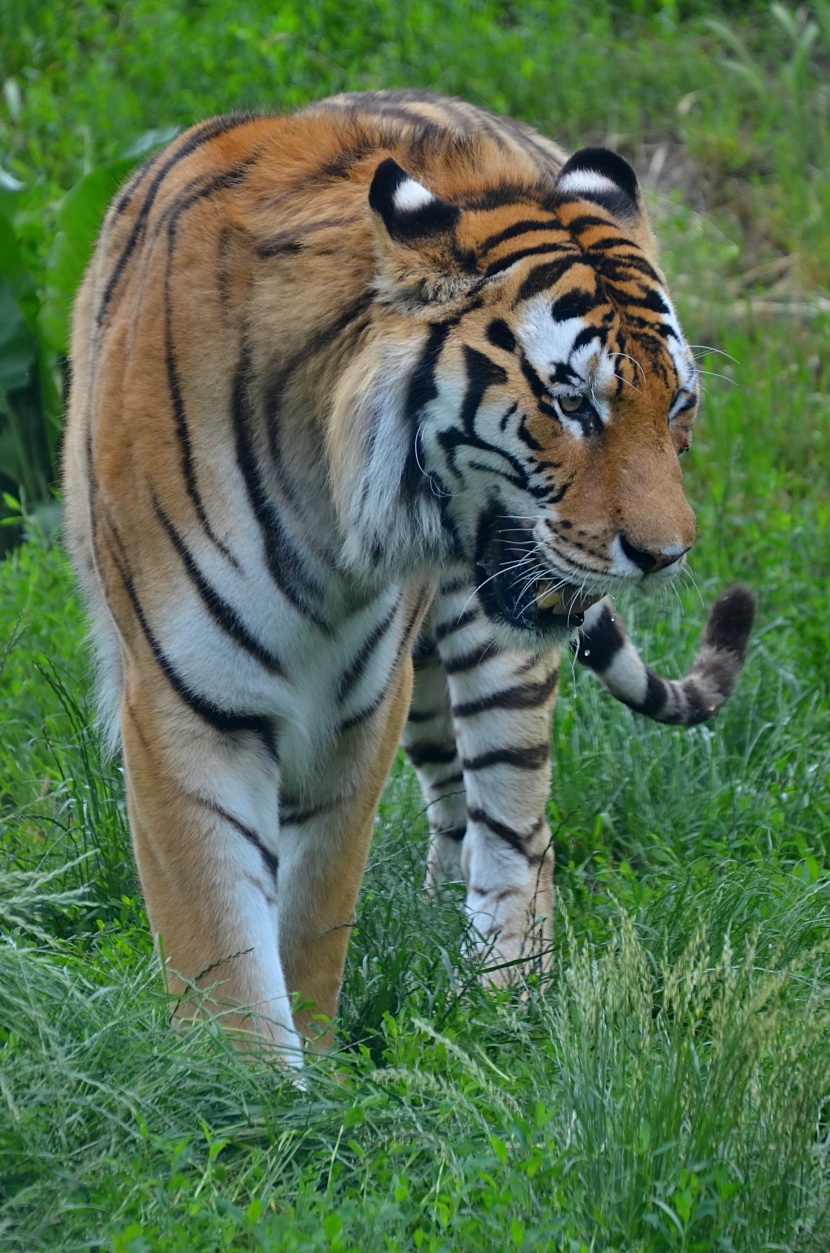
x,y
553,392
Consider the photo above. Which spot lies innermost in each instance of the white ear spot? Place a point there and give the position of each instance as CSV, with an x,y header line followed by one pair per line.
x,y
411,195
587,182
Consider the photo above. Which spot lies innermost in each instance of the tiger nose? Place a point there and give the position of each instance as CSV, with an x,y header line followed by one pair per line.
x,y
656,559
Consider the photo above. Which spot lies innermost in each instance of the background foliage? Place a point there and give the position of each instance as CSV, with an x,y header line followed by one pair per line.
x,y
667,1086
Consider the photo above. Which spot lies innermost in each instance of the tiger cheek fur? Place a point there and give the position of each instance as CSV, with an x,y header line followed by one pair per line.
x,y
387,379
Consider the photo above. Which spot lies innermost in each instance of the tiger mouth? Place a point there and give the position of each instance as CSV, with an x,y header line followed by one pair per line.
x,y
515,589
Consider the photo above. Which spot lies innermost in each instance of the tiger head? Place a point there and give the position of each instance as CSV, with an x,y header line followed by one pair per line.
x,y
529,393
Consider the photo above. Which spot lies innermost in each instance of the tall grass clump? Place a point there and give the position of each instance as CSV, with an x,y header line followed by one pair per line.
x,y
656,1092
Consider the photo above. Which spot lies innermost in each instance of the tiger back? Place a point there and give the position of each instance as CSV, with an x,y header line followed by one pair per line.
x,y
388,380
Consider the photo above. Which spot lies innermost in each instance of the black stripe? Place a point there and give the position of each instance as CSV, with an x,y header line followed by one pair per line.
x,y
270,858
296,817
423,715
503,895
694,707
597,646
519,228
500,335
125,198
456,834
528,438
655,697
421,390
283,562
452,441
475,657
443,629
222,182
582,223
356,669
613,266
431,754
277,385
290,241
576,303
482,373
522,696
653,301
510,835
586,336
364,714
202,135
540,391
223,613
504,263
404,644
424,652
544,277
449,586
223,720
530,141
446,780
498,197
606,243
530,758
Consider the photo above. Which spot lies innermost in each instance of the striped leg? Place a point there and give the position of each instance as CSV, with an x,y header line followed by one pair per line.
x,y
429,741
502,703
323,853
203,815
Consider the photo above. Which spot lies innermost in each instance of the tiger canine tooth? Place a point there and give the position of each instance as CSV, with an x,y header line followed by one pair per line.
x,y
550,601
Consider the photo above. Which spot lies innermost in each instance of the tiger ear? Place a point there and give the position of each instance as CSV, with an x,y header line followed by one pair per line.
x,y
410,212
417,262
607,180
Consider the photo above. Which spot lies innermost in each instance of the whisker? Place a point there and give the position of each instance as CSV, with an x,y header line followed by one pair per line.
x,y
714,374
513,566
706,348
634,361
435,491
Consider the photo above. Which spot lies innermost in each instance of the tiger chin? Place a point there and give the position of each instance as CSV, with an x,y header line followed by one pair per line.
x,y
372,406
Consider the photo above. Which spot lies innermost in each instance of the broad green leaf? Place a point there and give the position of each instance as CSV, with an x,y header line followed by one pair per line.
x,y
79,219
17,344
14,271
151,139
8,182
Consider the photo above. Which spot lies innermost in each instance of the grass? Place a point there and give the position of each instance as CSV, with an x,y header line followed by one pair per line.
x,y
667,1087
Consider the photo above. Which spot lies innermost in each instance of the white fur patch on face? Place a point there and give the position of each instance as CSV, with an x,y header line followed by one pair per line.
x,y
411,195
584,182
548,344
682,401
681,355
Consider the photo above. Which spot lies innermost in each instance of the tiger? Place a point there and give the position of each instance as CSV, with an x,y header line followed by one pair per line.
x,y
372,407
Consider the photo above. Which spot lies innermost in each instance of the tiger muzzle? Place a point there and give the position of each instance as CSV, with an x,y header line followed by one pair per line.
x,y
517,590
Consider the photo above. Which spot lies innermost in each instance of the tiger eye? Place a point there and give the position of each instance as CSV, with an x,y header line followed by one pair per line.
x,y
570,403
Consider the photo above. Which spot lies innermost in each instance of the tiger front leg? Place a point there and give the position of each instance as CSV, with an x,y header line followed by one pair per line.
x,y
202,805
323,852
502,704
429,741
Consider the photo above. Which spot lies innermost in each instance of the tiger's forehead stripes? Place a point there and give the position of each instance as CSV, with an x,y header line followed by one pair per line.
x,y
595,314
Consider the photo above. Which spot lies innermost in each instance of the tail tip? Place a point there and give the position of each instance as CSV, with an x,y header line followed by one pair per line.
x,y
730,621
